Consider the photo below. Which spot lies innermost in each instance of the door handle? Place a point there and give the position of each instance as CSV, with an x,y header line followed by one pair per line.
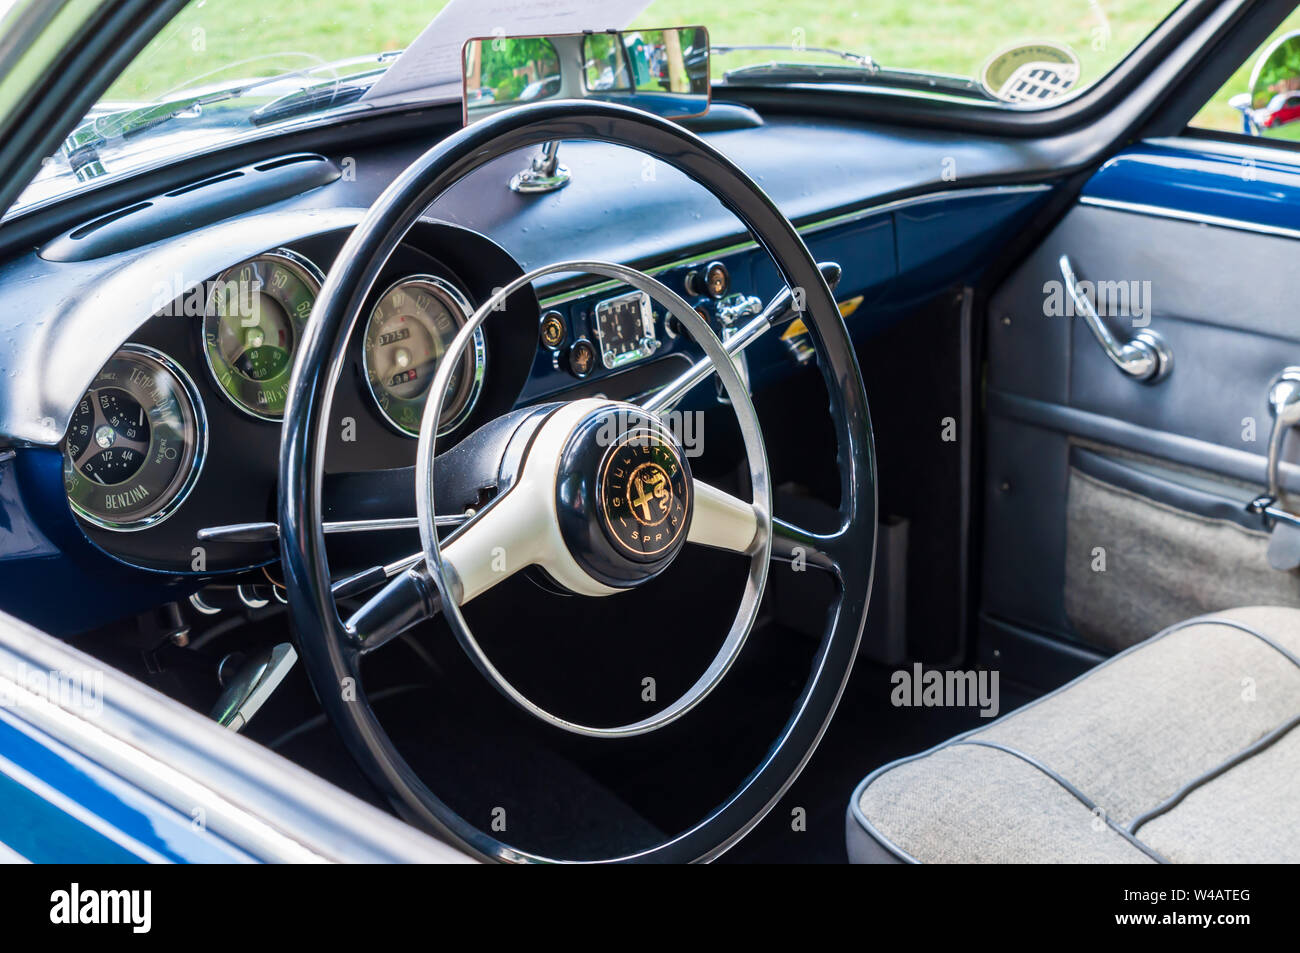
x,y
1284,405
1146,358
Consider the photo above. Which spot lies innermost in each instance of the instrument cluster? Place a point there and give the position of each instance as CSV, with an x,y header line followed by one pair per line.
x,y
407,333
137,442
179,431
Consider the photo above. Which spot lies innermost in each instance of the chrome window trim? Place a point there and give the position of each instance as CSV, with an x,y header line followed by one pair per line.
x,y
1262,149
1161,211
809,228
251,797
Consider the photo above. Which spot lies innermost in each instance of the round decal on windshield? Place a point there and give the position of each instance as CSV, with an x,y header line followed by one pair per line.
x,y
1030,73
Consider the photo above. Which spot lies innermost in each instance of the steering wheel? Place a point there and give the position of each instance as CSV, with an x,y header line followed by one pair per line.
x,y
596,493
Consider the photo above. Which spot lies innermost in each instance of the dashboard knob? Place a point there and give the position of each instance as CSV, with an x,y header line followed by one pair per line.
x,y
553,330
582,358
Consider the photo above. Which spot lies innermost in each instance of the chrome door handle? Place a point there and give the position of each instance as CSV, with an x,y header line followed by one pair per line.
x,y
1284,405
1146,358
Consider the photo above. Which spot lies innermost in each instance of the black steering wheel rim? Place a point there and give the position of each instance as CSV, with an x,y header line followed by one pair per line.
x,y
328,656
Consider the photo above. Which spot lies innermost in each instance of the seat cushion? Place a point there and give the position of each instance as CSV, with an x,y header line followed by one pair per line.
x,y
1179,749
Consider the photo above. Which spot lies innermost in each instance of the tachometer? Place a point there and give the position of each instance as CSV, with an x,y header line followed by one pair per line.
x,y
255,315
409,331
136,441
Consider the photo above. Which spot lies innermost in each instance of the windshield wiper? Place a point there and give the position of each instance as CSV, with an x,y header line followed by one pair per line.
x,y
862,70
81,147
327,94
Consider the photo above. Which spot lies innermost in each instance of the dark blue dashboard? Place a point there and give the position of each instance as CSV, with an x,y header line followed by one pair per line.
x,y
902,231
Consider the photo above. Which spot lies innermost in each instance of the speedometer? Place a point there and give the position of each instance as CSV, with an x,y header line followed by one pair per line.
x,y
410,329
255,316
136,441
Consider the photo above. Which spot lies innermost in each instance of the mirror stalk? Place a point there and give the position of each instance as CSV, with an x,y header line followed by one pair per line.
x,y
544,173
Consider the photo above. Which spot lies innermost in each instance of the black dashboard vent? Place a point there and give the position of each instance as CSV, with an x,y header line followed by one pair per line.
x,y
193,206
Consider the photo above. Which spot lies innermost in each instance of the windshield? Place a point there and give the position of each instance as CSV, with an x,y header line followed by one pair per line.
x,y
224,69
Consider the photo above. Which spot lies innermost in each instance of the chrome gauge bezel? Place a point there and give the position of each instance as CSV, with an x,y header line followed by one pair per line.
x,y
458,305
308,273
186,389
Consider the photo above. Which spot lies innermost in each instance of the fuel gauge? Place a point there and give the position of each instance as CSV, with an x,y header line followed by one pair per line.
x,y
135,443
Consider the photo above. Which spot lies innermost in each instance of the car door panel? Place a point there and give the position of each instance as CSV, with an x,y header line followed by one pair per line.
x,y
1113,506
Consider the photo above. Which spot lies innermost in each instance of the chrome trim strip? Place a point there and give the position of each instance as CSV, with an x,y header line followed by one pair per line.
x,y
927,198
1261,149
1160,211
268,531
810,228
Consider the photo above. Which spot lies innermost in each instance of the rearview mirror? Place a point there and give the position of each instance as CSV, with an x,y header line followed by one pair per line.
x,y
663,71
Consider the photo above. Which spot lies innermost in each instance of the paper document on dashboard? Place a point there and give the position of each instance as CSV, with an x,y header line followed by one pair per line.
x,y
432,65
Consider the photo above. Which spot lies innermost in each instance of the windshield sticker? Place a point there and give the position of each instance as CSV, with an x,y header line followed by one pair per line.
x,y
1031,73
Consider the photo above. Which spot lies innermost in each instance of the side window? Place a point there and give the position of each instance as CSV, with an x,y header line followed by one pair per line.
x,y
1263,97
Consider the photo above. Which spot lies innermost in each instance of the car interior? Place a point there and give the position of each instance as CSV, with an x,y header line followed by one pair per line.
x,y
649,446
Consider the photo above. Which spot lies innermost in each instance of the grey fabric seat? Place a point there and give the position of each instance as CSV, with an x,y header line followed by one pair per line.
x,y
1185,748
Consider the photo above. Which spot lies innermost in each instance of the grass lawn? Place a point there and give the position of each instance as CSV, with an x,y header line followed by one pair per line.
x,y
223,39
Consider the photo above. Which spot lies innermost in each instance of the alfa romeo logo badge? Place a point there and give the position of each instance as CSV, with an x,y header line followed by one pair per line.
x,y
644,493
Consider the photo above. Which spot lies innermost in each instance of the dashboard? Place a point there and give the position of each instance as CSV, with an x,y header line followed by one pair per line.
x,y
143,400
170,458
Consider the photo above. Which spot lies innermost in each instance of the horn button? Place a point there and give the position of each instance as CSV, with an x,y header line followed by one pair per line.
x,y
623,496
